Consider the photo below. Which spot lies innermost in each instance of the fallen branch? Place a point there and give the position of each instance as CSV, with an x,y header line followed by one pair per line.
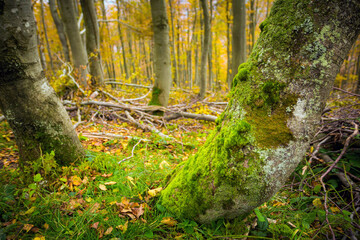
x,y
191,115
129,84
109,136
350,93
132,152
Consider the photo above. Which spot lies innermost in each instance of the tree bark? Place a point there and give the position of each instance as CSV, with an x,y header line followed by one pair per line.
x,y
175,66
92,42
46,36
37,117
60,30
122,40
78,50
276,102
205,48
162,64
238,35
228,72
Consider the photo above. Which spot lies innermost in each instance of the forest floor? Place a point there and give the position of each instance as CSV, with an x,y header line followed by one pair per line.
x,y
113,193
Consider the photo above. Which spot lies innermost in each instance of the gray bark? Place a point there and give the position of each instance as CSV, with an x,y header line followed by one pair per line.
x,y
277,100
79,56
46,36
122,40
60,30
228,72
38,119
175,66
92,42
162,63
238,35
205,48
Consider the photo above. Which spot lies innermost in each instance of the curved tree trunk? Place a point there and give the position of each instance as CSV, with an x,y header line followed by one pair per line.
x,y
162,63
60,29
37,117
92,42
79,56
276,101
205,48
238,35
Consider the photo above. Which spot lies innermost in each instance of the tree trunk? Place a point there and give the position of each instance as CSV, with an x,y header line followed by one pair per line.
x,y
60,29
205,48
78,51
238,35
121,40
252,23
92,42
228,72
277,99
162,63
46,36
111,72
37,117
175,66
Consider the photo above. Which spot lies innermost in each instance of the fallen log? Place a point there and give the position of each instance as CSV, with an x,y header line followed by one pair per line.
x,y
177,115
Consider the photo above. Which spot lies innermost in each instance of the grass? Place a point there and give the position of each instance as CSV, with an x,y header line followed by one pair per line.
x,y
100,198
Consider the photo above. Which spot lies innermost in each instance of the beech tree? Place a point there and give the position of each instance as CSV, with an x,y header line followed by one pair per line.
x,y
39,121
238,34
277,98
92,41
162,61
205,48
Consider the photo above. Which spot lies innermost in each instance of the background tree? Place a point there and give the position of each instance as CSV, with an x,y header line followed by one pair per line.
x,y
278,96
205,48
162,61
92,42
34,112
238,34
79,56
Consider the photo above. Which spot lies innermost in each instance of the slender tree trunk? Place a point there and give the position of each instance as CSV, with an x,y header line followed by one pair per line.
x,y
277,99
238,35
78,50
175,66
121,39
46,36
112,73
37,117
60,30
228,20
210,49
205,48
92,42
252,23
161,90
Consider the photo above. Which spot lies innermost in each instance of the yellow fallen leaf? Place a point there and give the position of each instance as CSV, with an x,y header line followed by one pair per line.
x,y
169,221
85,180
317,203
39,238
76,181
46,226
88,199
110,183
124,227
164,164
130,180
27,227
108,231
102,187
30,211
155,191
335,209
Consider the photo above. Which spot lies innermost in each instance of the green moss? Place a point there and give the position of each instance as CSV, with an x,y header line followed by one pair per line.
x,y
242,74
155,97
271,92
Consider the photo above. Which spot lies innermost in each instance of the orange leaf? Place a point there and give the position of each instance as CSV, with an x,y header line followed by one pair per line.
x,y
108,231
169,221
95,225
110,183
27,227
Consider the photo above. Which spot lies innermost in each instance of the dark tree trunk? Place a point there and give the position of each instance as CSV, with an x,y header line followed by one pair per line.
x,y
37,117
205,48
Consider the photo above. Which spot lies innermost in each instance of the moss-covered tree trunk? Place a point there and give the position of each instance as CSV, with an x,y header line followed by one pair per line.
x,y
37,117
276,101
162,60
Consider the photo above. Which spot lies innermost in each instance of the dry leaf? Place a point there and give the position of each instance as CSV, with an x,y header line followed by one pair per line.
x,y
154,192
27,227
95,207
107,175
30,211
85,180
108,231
46,226
124,227
76,181
110,183
102,187
95,225
164,164
169,221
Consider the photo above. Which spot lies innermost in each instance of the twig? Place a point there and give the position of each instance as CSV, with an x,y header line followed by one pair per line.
x,y
346,145
79,119
111,96
350,93
109,136
132,152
